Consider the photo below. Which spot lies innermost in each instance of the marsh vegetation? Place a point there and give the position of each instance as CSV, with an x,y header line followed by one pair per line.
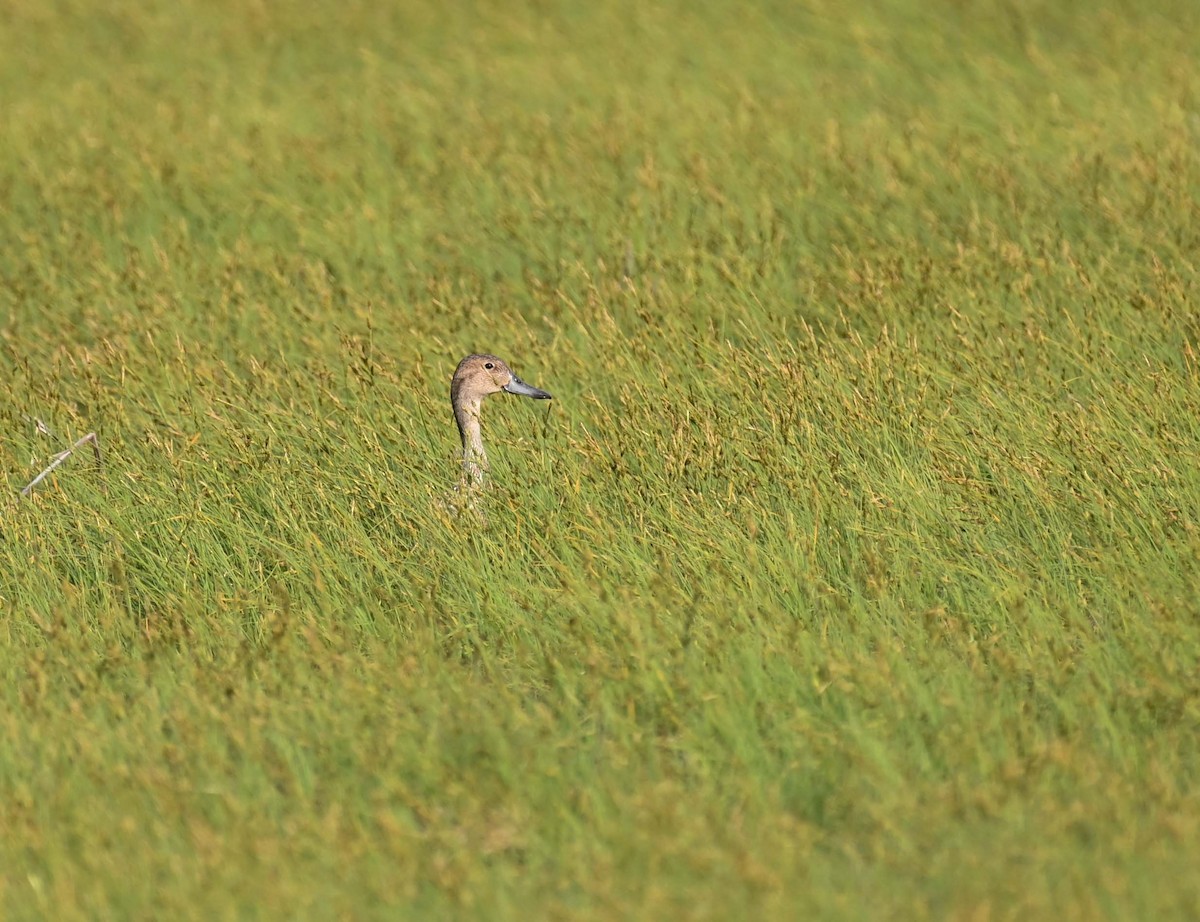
x,y
850,574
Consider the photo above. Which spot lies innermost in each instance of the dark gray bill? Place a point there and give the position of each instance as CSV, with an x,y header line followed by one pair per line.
x,y
517,386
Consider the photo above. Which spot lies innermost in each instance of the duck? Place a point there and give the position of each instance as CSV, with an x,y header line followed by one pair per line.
x,y
477,376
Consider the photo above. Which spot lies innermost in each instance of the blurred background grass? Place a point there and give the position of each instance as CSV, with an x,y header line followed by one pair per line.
x,y
850,574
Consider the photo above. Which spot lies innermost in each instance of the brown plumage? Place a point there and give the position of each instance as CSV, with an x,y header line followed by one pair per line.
x,y
476,377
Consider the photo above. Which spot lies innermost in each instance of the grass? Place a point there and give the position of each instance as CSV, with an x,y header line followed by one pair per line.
x,y
851,573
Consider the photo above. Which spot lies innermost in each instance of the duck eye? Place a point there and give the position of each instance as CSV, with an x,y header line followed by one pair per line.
x,y
489,366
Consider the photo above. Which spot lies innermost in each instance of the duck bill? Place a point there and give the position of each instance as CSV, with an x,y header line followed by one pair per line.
x,y
519,387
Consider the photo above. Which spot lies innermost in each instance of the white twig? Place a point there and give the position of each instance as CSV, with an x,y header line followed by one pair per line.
x,y
61,457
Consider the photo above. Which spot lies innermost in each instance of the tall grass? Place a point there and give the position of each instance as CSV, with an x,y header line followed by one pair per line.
x,y
851,573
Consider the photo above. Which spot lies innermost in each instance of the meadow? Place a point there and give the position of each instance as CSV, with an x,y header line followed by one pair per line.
x,y
851,573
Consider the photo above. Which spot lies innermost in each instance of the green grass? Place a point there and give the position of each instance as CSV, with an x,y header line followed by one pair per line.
x,y
852,573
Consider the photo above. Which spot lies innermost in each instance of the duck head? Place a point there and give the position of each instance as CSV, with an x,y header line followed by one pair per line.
x,y
480,375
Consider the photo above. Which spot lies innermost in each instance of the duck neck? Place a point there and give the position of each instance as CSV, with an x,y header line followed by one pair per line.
x,y
474,459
